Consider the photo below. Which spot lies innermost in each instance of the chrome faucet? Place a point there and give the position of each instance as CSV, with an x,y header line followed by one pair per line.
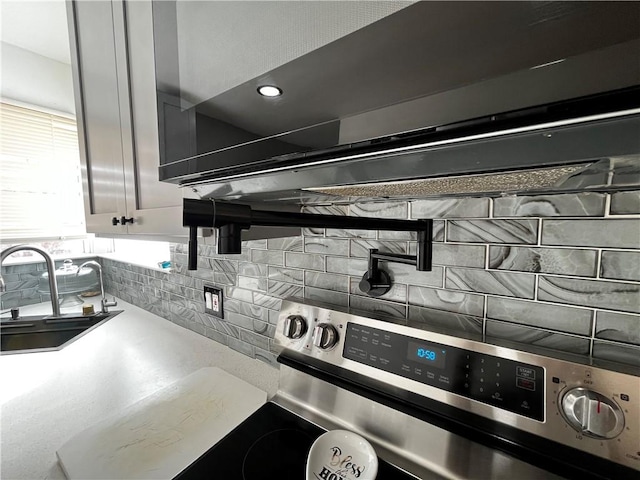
x,y
98,268
51,271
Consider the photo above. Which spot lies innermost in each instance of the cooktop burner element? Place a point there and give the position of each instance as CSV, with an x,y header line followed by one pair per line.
x,y
278,451
272,443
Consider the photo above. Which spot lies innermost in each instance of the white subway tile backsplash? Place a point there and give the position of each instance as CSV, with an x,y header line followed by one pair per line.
x,y
327,296
606,233
618,327
620,265
458,255
288,275
241,346
246,309
271,301
327,246
591,293
258,341
450,208
537,337
449,300
399,210
543,315
617,352
562,261
493,231
625,203
408,275
489,276
266,356
252,283
282,290
252,269
491,282
215,335
579,205
378,307
239,294
257,244
269,257
327,281
304,260
449,322
224,278
291,244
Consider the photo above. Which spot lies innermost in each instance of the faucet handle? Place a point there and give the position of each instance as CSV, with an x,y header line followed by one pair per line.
x,y
106,304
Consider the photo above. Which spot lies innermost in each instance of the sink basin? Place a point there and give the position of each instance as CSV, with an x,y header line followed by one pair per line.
x,y
44,332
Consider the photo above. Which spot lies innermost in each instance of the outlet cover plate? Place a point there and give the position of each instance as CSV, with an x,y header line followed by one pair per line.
x,y
213,301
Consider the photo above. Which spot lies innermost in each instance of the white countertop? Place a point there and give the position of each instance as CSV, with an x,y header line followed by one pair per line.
x,y
46,398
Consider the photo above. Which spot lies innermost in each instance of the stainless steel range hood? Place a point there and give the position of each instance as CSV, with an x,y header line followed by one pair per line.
x,y
435,98
586,154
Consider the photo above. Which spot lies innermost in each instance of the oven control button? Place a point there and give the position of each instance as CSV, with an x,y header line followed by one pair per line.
x,y
294,327
325,336
592,414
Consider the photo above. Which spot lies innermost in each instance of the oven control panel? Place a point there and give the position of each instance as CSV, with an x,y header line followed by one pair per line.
x,y
592,409
514,386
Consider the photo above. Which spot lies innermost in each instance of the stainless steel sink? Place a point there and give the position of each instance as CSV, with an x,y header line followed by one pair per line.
x,y
46,332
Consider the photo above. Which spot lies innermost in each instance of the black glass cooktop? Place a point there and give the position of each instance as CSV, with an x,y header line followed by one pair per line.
x,y
271,443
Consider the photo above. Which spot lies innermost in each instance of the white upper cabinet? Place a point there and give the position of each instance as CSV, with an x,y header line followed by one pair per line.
x,y
114,83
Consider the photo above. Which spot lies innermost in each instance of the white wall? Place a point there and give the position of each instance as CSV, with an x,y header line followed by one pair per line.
x,y
33,79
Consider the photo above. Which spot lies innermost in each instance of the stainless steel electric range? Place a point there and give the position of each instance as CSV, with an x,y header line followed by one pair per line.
x,y
432,405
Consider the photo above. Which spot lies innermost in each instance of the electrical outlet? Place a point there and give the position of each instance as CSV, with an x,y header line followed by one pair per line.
x,y
213,301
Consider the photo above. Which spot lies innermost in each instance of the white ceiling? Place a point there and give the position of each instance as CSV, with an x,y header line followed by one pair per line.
x,y
37,26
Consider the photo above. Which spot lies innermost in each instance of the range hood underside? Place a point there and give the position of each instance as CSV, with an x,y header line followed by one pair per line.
x,y
598,155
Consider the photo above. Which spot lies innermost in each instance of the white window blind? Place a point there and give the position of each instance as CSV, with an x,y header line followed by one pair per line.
x,y
40,182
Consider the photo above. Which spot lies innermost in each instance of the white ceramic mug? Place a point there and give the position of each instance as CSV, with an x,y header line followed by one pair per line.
x,y
341,455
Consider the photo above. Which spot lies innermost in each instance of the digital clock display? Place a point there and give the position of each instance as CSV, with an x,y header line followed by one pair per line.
x,y
433,355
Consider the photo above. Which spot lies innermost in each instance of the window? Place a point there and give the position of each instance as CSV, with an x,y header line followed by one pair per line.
x,y
41,199
40,181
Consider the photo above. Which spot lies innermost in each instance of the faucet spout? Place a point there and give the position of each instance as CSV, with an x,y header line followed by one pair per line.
x,y
51,271
231,218
105,303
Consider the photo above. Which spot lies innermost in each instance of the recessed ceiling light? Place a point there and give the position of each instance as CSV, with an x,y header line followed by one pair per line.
x,y
269,91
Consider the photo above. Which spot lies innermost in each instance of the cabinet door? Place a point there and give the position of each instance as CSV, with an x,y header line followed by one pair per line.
x,y
95,77
156,207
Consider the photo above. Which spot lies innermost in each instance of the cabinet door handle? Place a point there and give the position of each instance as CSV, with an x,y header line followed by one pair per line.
x,y
122,220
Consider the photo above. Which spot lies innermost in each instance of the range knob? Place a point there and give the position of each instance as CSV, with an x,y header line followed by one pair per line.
x,y
592,414
295,326
325,336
